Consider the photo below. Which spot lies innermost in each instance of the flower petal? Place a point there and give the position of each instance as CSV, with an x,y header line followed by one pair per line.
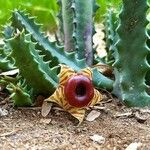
x,y
87,72
58,97
65,74
77,113
97,98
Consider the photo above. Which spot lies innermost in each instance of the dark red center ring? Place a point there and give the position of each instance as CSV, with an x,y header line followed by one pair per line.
x,y
79,91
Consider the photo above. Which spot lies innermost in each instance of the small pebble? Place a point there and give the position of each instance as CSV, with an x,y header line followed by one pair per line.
x,y
98,138
45,121
3,112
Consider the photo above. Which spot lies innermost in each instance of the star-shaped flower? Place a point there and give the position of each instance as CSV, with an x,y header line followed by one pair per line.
x,y
75,92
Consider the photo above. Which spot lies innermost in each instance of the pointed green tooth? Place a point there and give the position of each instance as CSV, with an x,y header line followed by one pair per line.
x,y
55,69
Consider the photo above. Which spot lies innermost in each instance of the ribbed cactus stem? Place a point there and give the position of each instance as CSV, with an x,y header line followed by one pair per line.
x,y
67,17
38,74
111,36
131,63
83,31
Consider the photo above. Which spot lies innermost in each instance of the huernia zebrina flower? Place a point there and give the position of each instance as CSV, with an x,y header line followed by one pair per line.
x,y
75,92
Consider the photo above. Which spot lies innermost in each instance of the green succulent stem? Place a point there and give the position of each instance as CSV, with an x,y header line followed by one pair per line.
x,y
131,63
19,95
102,82
83,28
68,18
77,19
37,73
111,36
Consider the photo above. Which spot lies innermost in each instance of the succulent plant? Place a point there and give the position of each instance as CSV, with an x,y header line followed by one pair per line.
x,y
131,58
40,61
6,61
20,94
111,23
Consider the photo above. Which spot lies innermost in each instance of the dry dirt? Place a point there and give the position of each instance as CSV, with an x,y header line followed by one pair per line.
x,y
25,128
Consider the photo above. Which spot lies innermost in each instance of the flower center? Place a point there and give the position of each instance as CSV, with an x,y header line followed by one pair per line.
x,y
80,90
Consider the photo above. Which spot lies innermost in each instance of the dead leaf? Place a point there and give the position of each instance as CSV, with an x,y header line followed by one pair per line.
x,y
93,115
145,110
134,146
127,114
104,69
46,108
99,107
10,73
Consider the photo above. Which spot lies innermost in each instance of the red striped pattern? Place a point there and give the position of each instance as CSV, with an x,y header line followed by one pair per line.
x,y
59,97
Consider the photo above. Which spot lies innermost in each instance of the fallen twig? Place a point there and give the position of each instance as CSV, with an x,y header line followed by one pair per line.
x,y
9,133
29,108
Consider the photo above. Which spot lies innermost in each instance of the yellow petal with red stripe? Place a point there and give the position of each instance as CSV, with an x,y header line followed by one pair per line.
x,y
87,72
77,113
96,98
58,97
65,73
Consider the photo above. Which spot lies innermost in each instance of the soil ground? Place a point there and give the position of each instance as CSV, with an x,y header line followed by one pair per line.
x,y
25,128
